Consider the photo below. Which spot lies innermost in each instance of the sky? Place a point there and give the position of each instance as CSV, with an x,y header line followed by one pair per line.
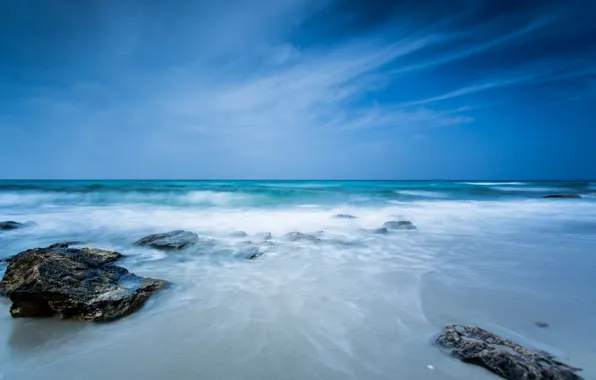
x,y
298,89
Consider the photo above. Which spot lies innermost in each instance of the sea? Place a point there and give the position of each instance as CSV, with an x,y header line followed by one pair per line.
x,y
351,304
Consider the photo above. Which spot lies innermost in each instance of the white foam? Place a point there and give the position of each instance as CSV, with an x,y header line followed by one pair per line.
x,y
494,183
423,193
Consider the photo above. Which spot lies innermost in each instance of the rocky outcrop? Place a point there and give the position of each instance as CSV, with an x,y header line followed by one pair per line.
x,y
299,236
509,360
563,196
169,241
344,216
380,231
399,225
73,283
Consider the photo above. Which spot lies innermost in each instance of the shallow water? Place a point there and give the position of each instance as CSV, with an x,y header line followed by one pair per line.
x,y
355,306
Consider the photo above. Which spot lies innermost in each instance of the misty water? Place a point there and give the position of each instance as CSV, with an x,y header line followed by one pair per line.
x,y
357,305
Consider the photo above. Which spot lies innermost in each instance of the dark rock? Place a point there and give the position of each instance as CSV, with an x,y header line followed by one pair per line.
x,y
541,324
299,236
399,225
509,360
74,283
381,231
99,256
173,240
344,216
563,196
239,234
10,225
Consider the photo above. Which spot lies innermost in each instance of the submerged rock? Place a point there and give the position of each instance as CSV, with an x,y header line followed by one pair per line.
x,y
399,225
565,196
262,236
541,324
173,240
344,216
251,252
299,236
74,283
239,234
12,225
509,360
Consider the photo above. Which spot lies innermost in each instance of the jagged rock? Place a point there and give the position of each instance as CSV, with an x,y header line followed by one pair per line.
x,y
399,225
509,360
563,196
74,283
344,216
381,231
299,236
173,240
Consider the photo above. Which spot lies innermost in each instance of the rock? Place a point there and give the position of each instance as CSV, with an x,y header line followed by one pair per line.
x,y
344,216
399,225
541,324
563,196
381,231
239,234
99,256
251,252
10,225
74,283
263,236
173,240
509,360
299,236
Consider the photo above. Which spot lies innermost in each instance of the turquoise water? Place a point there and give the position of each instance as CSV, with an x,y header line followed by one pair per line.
x,y
358,305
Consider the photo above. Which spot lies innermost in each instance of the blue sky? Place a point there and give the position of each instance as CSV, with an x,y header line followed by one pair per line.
x,y
292,89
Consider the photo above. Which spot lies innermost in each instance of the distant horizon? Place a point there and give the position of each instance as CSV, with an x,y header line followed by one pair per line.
x,y
299,179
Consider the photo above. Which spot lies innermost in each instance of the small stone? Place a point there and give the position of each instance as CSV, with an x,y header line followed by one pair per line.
x,y
563,196
262,236
173,240
399,225
10,225
299,236
542,324
239,234
344,216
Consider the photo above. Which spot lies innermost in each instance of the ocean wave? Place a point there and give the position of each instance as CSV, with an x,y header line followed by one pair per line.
x,y
423,193
530,189
494,183
190,198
